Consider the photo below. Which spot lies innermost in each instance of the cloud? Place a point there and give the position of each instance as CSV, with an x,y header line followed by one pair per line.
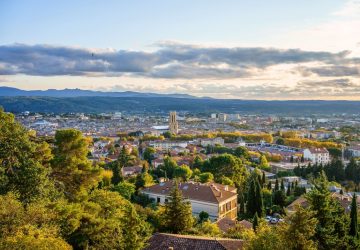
x,y
170,60
331,71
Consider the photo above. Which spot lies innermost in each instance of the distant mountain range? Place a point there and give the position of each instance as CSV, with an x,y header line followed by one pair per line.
x,y
9,91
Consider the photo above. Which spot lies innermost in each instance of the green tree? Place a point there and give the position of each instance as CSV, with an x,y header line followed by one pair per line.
x,y
254,202
208,228
332,229
125,189
71,169
242,152
178,214
206,177
255,222
353,218
149,154
23,163
226,165
203,216
184,172
299,230
198,162
264,163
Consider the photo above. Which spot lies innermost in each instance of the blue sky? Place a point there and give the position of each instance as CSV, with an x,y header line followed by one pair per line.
x,y
183,46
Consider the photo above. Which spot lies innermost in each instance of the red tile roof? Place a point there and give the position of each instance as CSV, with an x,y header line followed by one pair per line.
x,y
161,241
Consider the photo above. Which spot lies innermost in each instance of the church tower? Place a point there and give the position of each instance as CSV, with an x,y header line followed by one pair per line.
x,y
173,124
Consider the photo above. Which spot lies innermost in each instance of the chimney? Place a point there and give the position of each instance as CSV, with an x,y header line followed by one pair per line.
x,y
226,188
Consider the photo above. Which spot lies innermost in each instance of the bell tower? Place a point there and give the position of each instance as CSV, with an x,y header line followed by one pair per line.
x,y
173,124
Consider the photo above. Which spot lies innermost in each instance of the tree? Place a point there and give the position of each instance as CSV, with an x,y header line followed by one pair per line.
x,y
124,157
282,186
184,172
264,163
255,222
24,165
242,152
203,216
299,230
198,162
149,154
72,171
226,165
353,217
178,214
254,202
276,185
288,191
125,189
206,177
332,228
117,174
263,179
266,238
208,228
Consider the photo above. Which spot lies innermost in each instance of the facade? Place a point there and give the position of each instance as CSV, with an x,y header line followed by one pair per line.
x,y
166,145
317,155
212,142
173,124
219,201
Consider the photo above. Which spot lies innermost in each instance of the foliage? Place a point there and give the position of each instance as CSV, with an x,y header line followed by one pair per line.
x,y
206,177
72,171
125,189
178,214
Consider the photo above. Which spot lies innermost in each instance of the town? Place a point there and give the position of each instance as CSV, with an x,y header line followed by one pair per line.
x,y
216,163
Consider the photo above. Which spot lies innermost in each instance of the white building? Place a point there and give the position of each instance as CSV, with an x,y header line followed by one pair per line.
x,y
317,155
166,145
217,200
212,141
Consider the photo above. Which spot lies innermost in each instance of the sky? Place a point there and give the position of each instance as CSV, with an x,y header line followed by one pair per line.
x,y
279,49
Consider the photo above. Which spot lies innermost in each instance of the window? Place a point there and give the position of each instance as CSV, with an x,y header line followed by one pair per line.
x,y
166,200
158,199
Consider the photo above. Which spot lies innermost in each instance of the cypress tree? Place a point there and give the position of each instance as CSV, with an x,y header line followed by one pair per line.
x,y
263,180
242,203
288,191
255,222
269,185
276,185
282,186
353,216
254,199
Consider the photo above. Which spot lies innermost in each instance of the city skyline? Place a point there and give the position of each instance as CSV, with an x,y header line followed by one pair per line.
x,y
241,50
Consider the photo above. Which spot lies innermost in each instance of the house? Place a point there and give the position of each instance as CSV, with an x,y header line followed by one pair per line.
x,y
217,200
354,150
225,224
130,171
212,141
166,145
317,155
163,241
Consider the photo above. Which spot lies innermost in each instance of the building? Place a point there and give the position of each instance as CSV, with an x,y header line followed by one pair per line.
x,y
173,124
354,150
166,145
217,200
163,241
222,117
131,171
212,141
317,155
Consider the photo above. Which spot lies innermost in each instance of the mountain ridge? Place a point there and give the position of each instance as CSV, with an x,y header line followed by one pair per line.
x,y
13,92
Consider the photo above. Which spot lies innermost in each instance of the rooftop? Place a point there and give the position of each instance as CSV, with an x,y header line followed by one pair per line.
x,y
162,241
209,192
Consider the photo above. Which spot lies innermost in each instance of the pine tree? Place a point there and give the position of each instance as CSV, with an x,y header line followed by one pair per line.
x,y
178,214
353,216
